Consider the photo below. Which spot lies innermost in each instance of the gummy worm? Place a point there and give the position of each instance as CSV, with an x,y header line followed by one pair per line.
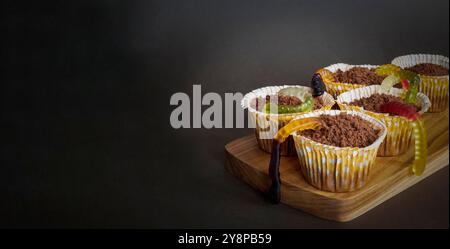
x,y
282,109
274,192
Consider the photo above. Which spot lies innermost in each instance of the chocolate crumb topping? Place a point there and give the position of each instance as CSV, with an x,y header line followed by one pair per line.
x,y
374,102
358,75
285,100
343,130
429,69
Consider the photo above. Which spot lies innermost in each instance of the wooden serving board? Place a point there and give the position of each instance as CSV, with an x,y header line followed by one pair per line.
x,y
389,176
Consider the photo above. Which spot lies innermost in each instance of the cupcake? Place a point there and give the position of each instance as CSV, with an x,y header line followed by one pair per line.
x,y
272,107
433,72
338,156
375,101
336,149
341,77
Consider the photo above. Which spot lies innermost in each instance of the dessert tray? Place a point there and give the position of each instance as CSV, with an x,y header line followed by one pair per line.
x,y
389,176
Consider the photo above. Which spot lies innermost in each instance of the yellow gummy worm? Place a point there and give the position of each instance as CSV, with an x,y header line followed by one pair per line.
x,y
387,69
327,75
296,125
420,150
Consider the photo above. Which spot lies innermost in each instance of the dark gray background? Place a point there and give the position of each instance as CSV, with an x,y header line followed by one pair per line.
x,y
85,106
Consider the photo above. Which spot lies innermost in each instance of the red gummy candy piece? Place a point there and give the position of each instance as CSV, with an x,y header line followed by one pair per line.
x,y
405,84
400,109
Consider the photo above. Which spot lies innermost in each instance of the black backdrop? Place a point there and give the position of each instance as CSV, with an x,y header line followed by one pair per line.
x,y
85,105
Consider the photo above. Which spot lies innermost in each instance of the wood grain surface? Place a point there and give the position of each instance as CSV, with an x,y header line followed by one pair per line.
x,y
389,177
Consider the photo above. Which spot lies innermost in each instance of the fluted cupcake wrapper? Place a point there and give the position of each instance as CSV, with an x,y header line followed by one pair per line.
x,y
337,169
337,88
435,87
267,125
399,130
